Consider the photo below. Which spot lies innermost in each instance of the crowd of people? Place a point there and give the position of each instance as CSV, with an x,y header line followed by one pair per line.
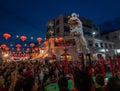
x,y
35,75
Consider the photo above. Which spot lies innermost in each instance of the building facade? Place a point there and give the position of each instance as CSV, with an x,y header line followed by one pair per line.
x,y
58,27
115,38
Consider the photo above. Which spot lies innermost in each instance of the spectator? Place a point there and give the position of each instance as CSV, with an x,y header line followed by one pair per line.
x,y
29,84
63,84
100,83
113,84
118,74
83,81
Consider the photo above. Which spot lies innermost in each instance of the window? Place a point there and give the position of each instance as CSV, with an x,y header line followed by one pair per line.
x,y
101,44
96,44
106,45
65,20
57,22
58,30
107,37
110,46
90,43
66,29
115,37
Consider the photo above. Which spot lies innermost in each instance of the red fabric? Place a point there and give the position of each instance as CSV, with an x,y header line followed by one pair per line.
x,y
111,66
103,65
118,60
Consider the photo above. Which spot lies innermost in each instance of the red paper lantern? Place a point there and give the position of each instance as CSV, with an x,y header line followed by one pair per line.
x,y
36,49
18,45
6,35
39,39
32,44
23,38
33,50
51,39
61,39
57,40
6,48
28,49
46,42
18,49
3,46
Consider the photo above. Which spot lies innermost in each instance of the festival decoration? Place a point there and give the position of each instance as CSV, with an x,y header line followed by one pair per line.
x,y
6,35
6,48
39,39
77,32
61,39
51,39
111,66
45,42
118,62
32,44
18,49
28,49
23,38
18,45
56,40
3,46
102,65
36,49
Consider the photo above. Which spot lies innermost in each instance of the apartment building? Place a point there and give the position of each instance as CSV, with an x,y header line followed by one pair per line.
x,y
58,27
114,37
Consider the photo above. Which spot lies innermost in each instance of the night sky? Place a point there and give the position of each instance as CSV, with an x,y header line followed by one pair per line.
x,y
28,17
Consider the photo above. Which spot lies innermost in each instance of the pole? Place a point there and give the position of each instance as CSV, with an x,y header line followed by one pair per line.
x,y
66,61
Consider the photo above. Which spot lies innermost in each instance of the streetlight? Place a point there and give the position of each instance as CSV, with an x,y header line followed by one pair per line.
x,y
93,33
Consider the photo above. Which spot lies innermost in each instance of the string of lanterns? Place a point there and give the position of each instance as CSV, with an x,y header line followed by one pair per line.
x,y
32,45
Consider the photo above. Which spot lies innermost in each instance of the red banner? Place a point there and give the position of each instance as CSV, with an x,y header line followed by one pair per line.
x,y
102,65
111,66
118,60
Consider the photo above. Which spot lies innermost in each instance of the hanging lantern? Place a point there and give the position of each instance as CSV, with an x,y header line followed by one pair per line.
x,y
39,39
28,49
61,39
51,39
3,46
18,45
36,49
33,51
57,40
45,42
6,35
18,49
6,48
23,38
32,44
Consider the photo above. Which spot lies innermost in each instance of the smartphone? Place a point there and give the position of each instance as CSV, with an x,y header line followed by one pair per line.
x,y
106,80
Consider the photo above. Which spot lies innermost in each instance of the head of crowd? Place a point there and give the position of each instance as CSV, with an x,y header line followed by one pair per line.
x,y
35,76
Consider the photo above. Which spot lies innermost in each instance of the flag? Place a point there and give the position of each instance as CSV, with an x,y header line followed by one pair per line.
x,y
102,65
111,66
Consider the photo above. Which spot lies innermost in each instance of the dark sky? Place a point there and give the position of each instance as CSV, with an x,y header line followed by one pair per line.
x,y
28,17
